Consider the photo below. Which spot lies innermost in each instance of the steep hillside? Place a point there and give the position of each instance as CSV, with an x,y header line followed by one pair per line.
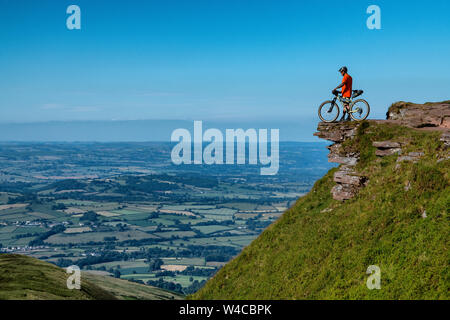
x,y
26,278
386,205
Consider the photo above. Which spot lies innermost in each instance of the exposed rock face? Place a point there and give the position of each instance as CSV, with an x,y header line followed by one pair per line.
x,y
348,176
434,116
348,181
421,115
336,131
337,156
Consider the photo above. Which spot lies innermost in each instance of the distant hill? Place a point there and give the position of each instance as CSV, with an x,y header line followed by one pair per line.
x,y
27,278
386,205
128,290
141,130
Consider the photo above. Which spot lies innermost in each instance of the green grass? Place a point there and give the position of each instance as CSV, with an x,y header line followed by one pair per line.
x,y
126,290
211,229
312,253
26,278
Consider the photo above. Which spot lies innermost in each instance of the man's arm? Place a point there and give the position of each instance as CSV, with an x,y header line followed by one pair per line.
x,y
339,86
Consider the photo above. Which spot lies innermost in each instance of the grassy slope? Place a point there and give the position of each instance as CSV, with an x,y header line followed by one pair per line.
x,y
321,248
26,278
128,290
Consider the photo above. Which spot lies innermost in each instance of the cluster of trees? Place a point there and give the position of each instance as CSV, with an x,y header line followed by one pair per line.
x,y
211,253
15,187
106,256
176,287
165,273
59,206
167,285
110,239
215,222
156,252
63,263
90,216
68,184
254,224
155,264
194,287
200,272
26,235
39,241
24,198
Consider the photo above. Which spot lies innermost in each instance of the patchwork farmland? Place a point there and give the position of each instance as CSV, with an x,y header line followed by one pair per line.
x,y
125,215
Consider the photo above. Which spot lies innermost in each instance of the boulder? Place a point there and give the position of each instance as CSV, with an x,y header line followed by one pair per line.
x,y
412,156
336,131
342,193
386,144
351,161
348,177
430,114
446,138
387,152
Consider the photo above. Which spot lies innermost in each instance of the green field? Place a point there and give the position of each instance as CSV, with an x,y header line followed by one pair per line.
x,y
211,229
98,237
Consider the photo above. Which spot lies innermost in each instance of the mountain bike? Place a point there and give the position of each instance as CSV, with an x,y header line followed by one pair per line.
x,y
359,109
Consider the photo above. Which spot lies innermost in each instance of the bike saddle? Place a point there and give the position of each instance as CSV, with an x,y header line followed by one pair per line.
x,y
357,93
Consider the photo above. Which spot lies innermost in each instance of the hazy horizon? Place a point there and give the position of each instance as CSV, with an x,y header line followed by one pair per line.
x,y
141,130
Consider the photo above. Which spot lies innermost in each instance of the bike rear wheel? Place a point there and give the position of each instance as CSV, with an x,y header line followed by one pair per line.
x,y
329,112
360,110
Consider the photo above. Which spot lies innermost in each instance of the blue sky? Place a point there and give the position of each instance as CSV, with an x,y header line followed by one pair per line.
x,y
215,60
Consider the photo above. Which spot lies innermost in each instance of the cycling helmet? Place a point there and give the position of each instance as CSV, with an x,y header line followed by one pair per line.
x,y
343,69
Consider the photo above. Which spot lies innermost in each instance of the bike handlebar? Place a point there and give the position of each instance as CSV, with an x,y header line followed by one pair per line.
x,y
355,93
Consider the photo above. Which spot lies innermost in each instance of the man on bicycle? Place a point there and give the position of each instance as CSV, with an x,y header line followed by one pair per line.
x,y
346,86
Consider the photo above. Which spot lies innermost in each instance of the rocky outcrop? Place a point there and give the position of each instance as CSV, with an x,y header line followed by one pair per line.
x,y
387,148
446,139
434,116
412,156
421,115
348,181
336,131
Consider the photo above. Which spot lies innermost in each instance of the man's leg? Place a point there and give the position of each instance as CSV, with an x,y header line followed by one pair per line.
x,y
344,111
347,109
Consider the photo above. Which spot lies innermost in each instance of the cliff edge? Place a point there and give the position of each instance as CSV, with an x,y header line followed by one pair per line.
x,y
386,205
429,116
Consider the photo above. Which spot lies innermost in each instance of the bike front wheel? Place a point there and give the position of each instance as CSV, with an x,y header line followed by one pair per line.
x,y
360,110
328,111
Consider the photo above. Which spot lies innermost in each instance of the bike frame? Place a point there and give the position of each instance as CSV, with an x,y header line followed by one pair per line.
x,y
350,104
